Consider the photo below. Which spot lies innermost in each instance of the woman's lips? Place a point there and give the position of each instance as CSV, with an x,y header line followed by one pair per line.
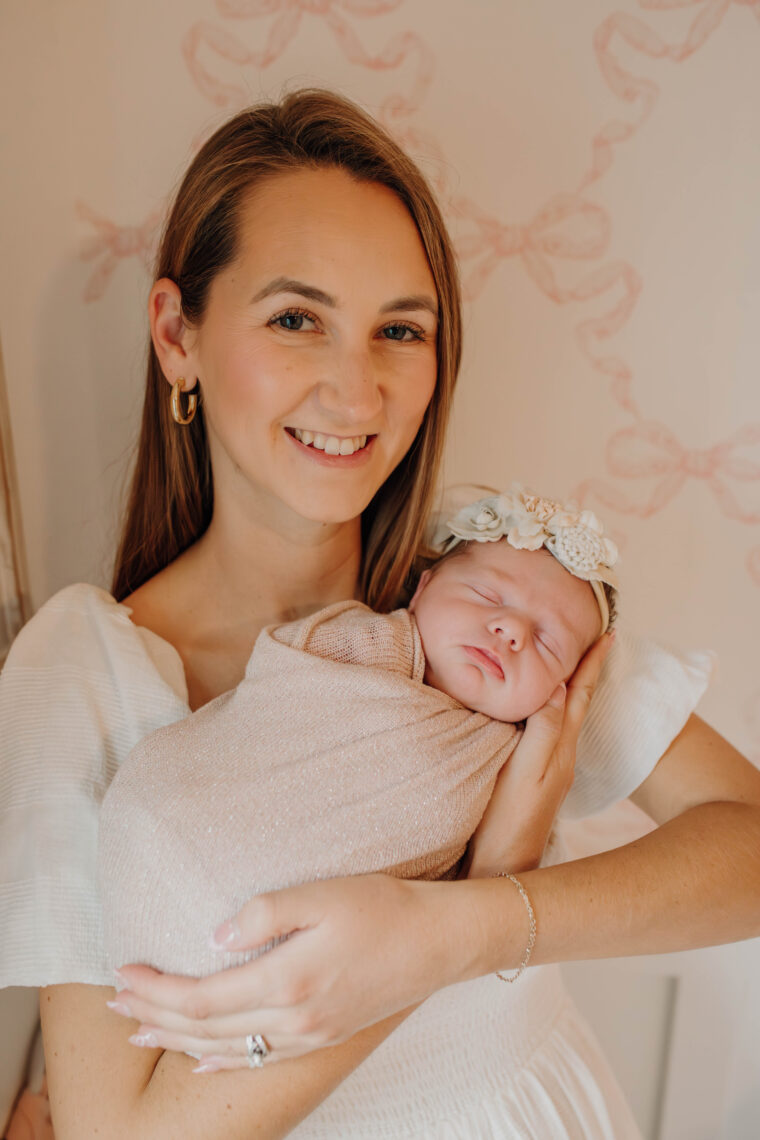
x,y
489,661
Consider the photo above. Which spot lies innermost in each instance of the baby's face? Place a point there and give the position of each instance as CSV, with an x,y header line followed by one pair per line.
x,y
501,628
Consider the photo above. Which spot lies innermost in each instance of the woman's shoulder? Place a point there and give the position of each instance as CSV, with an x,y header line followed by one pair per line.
x,y
82,641
71,620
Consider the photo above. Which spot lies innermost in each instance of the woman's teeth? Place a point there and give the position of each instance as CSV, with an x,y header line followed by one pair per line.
x,y
330,444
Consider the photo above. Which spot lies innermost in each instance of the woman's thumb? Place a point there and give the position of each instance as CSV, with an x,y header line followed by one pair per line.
x,y
557,699
543,727
262,918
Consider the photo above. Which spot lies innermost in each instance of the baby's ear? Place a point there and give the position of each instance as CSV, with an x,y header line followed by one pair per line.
x,y
425,577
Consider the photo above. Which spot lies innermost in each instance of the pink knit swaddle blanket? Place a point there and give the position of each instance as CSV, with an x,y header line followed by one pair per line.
x,y
331,757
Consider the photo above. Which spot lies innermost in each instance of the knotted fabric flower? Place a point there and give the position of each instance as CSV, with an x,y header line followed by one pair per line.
x,y
578,542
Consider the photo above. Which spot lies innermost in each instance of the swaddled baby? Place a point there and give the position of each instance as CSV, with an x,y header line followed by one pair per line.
x,y
356,741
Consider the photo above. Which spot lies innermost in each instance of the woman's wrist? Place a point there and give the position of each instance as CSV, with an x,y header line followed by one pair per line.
x,y
487,864
494,928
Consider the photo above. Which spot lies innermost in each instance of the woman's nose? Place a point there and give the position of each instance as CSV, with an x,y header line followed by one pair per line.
x,y
511,627
351,392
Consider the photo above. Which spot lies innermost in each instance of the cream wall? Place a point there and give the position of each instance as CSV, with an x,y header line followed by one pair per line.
x,y
601,171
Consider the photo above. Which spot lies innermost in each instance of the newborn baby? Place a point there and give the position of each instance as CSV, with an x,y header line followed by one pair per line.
x,y
356,741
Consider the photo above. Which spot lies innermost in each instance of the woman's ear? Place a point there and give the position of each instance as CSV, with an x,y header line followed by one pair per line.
x,y
170,334
425,577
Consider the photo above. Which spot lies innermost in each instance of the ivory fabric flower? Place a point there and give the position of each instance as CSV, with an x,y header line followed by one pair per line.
x,y
482,521
543,509
525,533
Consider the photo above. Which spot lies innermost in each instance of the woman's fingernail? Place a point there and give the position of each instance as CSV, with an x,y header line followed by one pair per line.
x,y
558,696
120,981
612,634
119,1007
211,1063
144,1040
224,935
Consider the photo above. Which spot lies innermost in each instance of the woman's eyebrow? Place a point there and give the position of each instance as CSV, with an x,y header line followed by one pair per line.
x,y
412,303
289,285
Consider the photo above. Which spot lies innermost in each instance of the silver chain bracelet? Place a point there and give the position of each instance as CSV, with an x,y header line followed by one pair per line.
x,y
531,923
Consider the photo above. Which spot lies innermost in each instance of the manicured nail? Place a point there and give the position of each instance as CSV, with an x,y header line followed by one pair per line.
x,y
224,935
206,1067
119,1007
612,634
120,982
144,1040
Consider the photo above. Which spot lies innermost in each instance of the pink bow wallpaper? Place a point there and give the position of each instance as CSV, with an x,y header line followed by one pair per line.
x,y
599,165
600,169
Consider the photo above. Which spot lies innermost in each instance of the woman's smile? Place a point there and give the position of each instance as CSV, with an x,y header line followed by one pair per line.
x,y
332,450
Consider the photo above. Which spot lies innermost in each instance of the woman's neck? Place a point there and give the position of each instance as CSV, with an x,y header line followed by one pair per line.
x,y
212,602
276,574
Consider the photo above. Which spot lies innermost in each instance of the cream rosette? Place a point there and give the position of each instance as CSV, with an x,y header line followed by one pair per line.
x,y
575,537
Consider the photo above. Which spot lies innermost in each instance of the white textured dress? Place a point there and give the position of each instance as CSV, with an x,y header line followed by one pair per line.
x,y
82,685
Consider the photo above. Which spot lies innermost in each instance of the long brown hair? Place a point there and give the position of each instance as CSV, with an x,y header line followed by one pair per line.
x,y
171,495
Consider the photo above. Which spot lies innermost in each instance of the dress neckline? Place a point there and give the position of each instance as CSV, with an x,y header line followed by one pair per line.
x,y
160,655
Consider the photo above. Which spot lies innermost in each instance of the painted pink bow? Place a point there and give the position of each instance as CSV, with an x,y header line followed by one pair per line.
x,y
639,91
569,228
205,38
111,244
650,450
566,227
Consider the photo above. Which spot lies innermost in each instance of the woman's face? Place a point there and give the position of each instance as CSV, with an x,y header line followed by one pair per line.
x,y
317,354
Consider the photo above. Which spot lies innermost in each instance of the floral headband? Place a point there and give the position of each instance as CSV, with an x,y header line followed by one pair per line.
x,y
528,522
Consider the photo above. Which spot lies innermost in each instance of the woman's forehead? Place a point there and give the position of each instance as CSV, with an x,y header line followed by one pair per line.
x,y
316,222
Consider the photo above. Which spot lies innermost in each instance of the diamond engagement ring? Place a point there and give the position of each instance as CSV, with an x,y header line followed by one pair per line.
x,y
256,1050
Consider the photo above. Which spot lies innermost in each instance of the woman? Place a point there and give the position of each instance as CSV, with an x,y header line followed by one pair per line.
x,y
306,284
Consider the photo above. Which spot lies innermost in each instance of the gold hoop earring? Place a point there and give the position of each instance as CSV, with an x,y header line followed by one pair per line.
x,y
176,403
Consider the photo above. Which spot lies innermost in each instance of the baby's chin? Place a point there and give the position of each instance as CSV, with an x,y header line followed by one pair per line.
x,y
511,712
508,711
514,714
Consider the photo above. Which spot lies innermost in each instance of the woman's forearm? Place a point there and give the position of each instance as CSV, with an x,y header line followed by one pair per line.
x,y
279,1096
101,1086
694,881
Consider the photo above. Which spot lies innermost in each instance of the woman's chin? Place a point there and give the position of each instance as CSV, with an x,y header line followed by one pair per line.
x,y
329,509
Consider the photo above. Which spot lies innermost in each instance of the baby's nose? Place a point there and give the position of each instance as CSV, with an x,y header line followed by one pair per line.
x,y
509,626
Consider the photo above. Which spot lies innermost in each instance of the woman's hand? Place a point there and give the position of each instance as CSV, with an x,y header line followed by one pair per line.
x,y
533,783
362,948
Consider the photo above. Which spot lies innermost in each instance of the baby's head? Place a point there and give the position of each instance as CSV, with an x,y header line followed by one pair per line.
x,y
523,590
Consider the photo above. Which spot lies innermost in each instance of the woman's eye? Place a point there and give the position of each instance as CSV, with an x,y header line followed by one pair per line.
x,y
292,320
399,333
